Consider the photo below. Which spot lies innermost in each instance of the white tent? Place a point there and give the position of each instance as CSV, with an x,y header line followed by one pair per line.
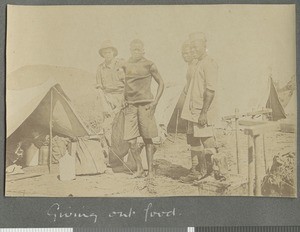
x,y
47,108
265,97
291,108
33,105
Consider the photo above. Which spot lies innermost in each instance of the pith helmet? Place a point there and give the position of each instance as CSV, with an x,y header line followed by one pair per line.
x,y
107,44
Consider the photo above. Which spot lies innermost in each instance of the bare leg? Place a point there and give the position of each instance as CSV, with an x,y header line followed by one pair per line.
x,y
196,149
149,154
136,156
195,171
209,151
130,160
202,166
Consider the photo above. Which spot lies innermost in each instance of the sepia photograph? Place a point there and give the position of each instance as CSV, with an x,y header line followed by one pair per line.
x,y
151,101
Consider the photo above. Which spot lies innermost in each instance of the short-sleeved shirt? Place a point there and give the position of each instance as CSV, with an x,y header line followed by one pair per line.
x,y
190,72
204,76
111,77
138,79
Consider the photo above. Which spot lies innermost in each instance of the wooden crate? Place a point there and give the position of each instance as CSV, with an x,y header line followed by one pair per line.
x,y
235,185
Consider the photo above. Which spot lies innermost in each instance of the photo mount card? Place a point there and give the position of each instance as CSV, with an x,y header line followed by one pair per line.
x,y
153,189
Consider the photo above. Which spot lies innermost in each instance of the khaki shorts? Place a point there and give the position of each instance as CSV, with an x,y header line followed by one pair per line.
x,y
139,122
206,142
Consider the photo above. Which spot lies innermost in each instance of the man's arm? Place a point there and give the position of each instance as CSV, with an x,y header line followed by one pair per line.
x,y
211,75
208,97
207,100
101,94
160,83
99,79
120,69
188,81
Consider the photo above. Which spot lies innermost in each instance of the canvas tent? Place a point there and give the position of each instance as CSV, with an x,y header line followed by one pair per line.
x,y
34,104
288,97
173,106
167,109
176,124
291,108
274,103
30,108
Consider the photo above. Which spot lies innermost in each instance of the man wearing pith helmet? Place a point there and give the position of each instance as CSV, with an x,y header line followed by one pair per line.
x,y
200,108
139,113
110,83
110,76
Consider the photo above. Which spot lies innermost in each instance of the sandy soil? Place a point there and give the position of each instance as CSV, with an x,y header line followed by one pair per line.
x,y
172,159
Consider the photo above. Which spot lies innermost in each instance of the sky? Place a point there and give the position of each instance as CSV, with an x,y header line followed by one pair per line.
x,y
249,42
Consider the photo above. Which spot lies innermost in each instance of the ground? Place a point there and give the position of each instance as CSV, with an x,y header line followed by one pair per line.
x,y
173,161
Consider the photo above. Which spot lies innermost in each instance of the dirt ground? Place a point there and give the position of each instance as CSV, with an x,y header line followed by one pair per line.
x,y
172,159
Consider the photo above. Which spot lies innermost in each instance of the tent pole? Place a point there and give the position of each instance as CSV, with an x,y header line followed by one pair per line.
x,y
50,130
237,140
264,144
176,126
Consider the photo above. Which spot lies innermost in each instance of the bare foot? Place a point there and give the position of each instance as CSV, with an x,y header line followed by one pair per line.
x,y
140,174
150,175
150,179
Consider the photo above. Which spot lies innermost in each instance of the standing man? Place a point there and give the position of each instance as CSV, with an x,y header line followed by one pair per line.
x,y
187,56
139,113
200,109
110,79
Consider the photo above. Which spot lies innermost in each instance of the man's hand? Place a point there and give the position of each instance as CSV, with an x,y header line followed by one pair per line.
x,y
151,107
202,120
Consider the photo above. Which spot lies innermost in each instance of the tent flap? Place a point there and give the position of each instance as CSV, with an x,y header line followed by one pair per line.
x,y
274,103
33,104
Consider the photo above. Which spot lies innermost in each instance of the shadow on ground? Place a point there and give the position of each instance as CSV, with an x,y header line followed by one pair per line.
x,y
166,168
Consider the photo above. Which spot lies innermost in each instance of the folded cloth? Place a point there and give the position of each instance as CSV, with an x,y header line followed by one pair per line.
x,y
14,169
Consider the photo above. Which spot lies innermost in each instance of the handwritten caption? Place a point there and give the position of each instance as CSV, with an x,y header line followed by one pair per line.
x,y
58,212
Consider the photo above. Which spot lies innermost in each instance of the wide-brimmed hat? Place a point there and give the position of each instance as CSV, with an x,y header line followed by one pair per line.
x,y
108,44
